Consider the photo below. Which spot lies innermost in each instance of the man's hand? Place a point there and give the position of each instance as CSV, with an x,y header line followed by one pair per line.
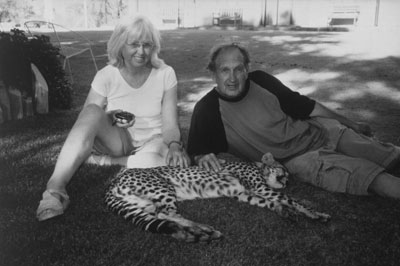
x,y
209,162
365,129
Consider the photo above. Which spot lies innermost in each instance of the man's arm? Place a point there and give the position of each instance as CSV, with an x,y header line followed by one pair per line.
x,y
301,107
207,134
323,111
292,103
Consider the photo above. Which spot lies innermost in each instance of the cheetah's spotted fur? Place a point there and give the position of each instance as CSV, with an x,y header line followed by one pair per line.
x,y
148,196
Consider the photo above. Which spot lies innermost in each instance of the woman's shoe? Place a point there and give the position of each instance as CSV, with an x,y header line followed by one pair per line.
x,y
51,206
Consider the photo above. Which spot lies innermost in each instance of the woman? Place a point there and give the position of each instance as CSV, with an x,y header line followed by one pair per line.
x,y
135,81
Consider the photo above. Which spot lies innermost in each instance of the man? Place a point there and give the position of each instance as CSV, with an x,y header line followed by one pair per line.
x,y
251,113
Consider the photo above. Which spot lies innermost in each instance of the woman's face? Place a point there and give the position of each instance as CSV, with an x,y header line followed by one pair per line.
x,y
137,51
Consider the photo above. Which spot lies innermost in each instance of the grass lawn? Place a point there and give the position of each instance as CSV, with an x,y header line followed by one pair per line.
x,y
355,73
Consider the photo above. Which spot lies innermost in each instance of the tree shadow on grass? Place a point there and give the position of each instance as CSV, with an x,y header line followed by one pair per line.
x,y
337,69
322,65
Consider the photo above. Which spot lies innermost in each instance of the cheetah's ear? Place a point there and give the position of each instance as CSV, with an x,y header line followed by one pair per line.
x,y
268,159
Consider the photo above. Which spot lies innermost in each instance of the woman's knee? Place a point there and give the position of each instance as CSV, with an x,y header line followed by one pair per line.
x,y
93,110
93,114
89,121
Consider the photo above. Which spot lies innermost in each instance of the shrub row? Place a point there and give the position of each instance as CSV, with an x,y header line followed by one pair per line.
x,y
17,52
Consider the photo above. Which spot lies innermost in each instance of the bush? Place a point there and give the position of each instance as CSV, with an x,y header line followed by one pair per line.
x,y
16,54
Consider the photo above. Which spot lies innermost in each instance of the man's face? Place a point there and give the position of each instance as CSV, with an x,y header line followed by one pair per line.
x,y
231,73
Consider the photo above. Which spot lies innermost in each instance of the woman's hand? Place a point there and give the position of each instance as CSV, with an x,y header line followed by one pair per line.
x,y
177,156
121,121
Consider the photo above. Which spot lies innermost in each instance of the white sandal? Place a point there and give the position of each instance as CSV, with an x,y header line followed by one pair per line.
x,y
50,206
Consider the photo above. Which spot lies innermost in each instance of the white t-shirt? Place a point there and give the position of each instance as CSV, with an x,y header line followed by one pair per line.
x,y
144,102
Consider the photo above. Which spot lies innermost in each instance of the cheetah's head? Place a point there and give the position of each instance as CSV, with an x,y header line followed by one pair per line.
x,y
274,173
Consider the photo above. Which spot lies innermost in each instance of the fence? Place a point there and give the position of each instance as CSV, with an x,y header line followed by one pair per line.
x,y
198,13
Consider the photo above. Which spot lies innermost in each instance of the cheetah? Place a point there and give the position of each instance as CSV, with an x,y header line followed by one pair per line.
x,y
148,197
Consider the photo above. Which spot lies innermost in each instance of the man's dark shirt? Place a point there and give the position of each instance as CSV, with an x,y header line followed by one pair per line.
x,y
266,117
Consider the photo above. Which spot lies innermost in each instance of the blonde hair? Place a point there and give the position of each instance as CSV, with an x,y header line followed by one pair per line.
x,y
139,26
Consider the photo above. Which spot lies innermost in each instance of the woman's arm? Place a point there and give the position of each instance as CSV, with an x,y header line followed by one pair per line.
x,y
170,129
323,111
169,111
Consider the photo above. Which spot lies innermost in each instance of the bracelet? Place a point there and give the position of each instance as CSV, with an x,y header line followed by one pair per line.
x,y
177,142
